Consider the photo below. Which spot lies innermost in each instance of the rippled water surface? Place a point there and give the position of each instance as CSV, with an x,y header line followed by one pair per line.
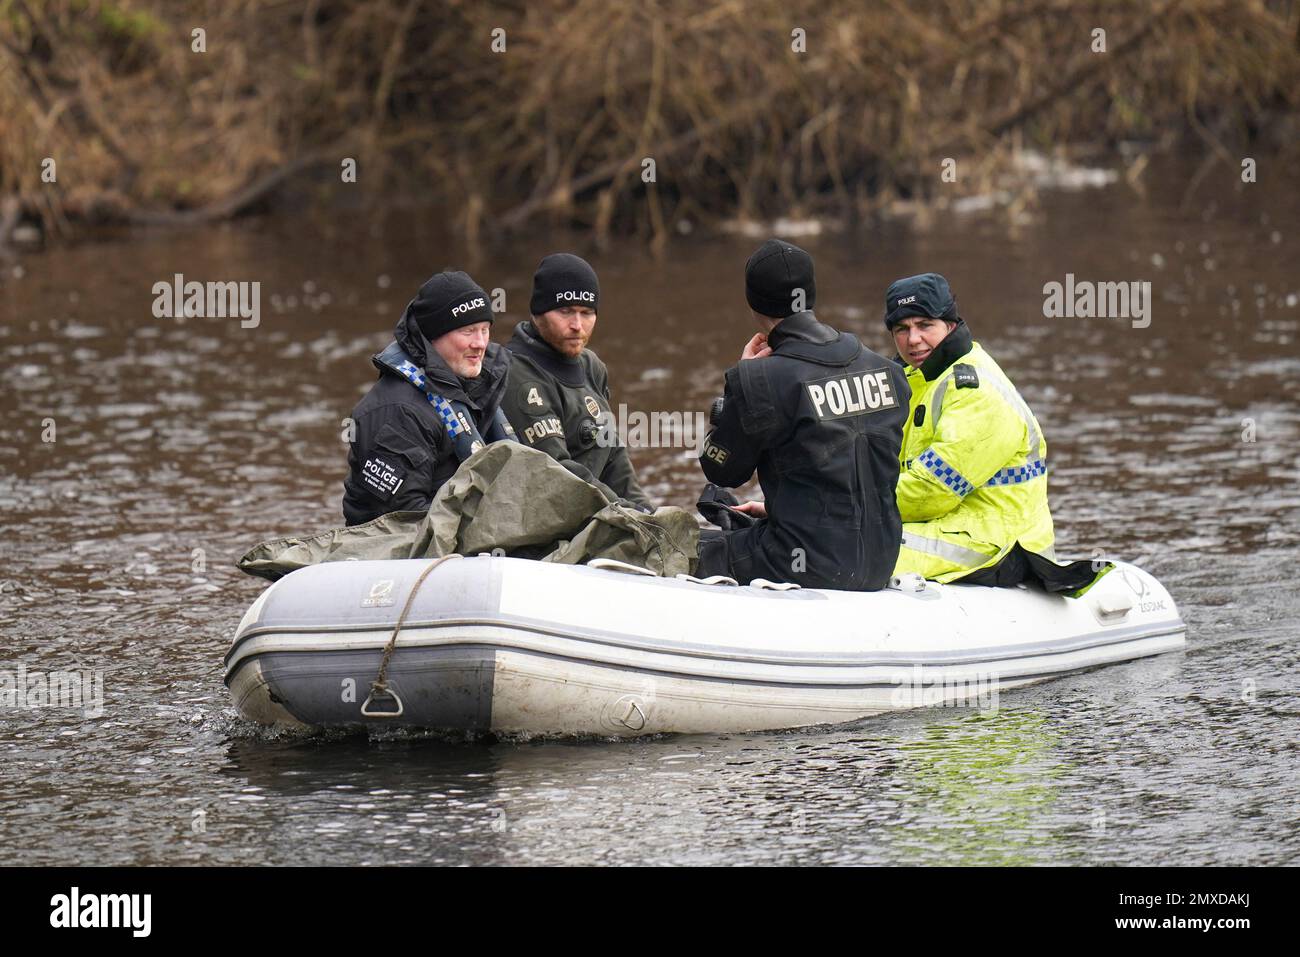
x,y
179,444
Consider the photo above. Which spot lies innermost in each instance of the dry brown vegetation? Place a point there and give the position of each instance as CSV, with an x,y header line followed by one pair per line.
x,y
143,129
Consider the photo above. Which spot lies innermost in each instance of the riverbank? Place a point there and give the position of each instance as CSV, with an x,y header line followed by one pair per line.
x,y
631,118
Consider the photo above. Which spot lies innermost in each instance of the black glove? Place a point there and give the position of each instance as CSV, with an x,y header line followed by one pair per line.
x,y
713,505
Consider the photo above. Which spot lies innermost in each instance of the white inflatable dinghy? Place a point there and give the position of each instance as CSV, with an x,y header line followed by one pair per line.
x,y
511,646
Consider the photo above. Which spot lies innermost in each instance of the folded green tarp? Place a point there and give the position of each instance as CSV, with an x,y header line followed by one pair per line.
x,y
505,498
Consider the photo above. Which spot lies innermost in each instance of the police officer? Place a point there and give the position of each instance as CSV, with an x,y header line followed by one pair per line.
x,y
821,418
558,400
436,402
974,460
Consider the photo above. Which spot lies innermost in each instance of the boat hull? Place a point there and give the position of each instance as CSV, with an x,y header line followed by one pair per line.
x,y
512,647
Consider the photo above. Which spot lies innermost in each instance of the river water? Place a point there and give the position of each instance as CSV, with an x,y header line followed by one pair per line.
x,y
140,457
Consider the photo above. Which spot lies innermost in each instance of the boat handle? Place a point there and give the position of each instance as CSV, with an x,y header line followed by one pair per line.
x,y
380,684
388,692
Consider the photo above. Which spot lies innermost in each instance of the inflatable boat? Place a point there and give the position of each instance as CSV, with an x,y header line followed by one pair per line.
x,y
518,647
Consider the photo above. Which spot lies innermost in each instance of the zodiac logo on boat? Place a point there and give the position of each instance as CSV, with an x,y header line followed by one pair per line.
x,y
381,595
1136,582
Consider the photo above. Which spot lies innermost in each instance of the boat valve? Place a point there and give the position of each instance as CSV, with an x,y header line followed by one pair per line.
x,y
910,582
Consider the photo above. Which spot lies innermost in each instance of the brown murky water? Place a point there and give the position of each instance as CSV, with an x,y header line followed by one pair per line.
x,y
178,444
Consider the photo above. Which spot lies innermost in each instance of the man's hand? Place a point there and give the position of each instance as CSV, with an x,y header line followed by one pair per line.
x,y
756,347
754,509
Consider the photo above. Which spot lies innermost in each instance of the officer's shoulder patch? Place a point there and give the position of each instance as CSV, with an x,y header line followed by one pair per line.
x,y
715,452
550,427
965,377
383,475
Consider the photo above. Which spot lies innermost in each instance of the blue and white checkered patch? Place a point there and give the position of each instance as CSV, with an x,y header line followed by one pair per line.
x,y
412,373
945,473
1019,473
448,415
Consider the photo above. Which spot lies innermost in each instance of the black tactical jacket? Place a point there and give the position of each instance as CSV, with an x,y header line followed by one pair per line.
x,y
401,454
557,404
821,419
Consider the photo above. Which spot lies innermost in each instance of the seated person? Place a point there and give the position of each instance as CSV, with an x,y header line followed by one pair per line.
x,y
820,417
437,401
558,400
974,460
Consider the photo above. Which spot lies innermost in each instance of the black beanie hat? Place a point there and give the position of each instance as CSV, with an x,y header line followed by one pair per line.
x,y
924,295
773,275
448,301
563,279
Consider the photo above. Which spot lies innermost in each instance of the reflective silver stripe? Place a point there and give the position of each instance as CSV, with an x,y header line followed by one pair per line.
x,y
965,557
936,400
1010,394
1017,403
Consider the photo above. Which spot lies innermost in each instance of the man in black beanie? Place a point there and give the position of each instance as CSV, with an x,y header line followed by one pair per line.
x,y
437,401
820,417
558,399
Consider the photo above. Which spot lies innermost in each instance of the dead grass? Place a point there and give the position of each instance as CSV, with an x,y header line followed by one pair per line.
x,y
142,129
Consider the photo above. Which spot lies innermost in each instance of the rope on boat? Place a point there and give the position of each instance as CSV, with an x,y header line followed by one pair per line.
x,y
380,685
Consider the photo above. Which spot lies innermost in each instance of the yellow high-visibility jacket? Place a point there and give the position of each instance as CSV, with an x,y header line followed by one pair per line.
x,y
973,480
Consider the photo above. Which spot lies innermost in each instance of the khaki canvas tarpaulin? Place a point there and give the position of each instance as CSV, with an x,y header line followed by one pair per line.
x,y
505,496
